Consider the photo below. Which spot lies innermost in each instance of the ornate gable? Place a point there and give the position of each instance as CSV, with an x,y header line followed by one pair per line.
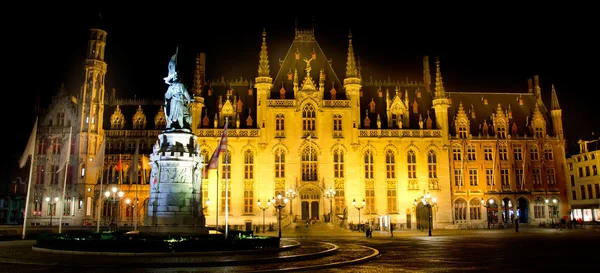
x,y
500,122
160,121
398,107
117,120
227,109
461,121
538,123
139,119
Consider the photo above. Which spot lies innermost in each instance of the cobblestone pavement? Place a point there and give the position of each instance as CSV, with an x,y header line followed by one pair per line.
x,y
496,250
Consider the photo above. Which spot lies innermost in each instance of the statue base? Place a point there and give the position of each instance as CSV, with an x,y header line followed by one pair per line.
x,y
175,185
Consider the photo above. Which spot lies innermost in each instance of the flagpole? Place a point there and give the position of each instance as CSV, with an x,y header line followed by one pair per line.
x,y
65,180
29,187
100,196
226,182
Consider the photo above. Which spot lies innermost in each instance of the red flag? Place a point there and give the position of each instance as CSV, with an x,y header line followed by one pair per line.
x,y
214,159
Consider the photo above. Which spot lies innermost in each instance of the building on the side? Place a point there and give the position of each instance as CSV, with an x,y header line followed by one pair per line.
x,y
584,180
300,130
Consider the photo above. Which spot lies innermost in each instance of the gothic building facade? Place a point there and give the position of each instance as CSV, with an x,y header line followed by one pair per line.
x,y
302,132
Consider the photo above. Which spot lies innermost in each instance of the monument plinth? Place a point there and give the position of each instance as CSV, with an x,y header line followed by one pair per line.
x,y
175,180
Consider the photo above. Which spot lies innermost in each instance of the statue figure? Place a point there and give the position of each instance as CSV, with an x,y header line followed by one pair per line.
x,y
177,99
307,61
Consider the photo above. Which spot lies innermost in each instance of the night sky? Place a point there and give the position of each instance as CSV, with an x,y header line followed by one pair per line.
x,y
486,52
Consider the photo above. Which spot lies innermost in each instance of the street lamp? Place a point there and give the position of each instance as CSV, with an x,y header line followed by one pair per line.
x,y
115,194
489,214
330,194
428,201
553,207
263,209
279,204
359,207
290,194
51,207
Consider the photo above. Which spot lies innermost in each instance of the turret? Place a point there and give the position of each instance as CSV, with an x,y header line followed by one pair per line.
x,y
198,85
426,74
264,82
441,103
537,91
556,113
352,85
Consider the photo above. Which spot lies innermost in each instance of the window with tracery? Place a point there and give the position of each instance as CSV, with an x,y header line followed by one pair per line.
x,y
338,163
309,119
432,164
369,164
248,165
548,154
279,163
461,129
226,165
475,209
309,164
411,160
279,125
534,153
390,164
471,153
456,153
501,132
460,210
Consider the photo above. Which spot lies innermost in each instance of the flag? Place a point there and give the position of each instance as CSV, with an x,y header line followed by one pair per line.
x,y
134,164
65,152
98,163
30,148
214,159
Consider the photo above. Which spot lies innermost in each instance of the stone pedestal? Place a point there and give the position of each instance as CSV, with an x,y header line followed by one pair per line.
x,y
175,185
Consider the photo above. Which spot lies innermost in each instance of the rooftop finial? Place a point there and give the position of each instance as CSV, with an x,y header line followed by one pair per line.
x,y
351,70
439,83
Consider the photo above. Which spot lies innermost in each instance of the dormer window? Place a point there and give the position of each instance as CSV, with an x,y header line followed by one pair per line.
x,y
461,130
501,132
539,132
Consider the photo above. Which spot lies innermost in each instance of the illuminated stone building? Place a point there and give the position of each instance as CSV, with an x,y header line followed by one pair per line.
x,y
299,126
584,180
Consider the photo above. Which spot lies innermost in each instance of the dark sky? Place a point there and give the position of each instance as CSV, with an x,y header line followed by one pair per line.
x,y
494,50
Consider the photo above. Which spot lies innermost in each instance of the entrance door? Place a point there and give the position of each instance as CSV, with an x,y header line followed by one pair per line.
x,y
305,210
314,210
310,196
408,221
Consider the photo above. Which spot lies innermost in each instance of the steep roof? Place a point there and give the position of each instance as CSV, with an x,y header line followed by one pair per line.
x,y
304,47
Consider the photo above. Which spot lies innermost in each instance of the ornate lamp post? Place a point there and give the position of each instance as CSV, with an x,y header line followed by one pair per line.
x,y
362,205
489,214
114,190
552,208
330,194
51,207
428,201
263,209
279,204
290,194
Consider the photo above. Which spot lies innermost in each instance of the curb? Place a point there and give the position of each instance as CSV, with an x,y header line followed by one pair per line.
x,y
295,244
329,265
153,264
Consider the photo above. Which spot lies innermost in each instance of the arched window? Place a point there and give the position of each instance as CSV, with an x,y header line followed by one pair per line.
x,y
369,164
338,163
309,164
308,119
248,165
279,163
390,164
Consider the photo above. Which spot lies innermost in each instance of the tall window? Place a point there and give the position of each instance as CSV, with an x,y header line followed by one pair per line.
x,y
458,178
534,153
222,205
456,153
390,164
411,160
539,208
473,177
504,177
248,201
340,200
308,119
309,164
42,147
461,128
226,165
548,155
60,119
501,132
369,164
551,177
471,153
370,201
338,163
392,206
489,177
279,163
337,125
518,152
432,164
279,125
460,210
488,153
475,209
503,152
248,165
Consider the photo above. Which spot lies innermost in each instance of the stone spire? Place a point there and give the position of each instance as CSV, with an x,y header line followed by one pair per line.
x,y
199,74
351,69
439,84
554,102
263,64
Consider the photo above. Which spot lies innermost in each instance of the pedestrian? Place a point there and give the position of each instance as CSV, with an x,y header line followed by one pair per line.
x,y
367,231
392,230
517,224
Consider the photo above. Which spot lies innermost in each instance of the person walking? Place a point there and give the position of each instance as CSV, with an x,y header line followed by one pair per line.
x,y
392,230
517,224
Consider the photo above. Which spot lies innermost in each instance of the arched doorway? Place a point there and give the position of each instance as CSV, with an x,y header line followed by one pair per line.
x,y
507,210
422,214
309,198
523,209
